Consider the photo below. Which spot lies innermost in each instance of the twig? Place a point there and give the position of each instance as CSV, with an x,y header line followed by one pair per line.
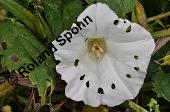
x,y
30,101
160,16
25,82
57,107
160,43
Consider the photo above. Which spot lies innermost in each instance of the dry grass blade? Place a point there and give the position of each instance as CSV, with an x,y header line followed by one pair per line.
x,y
160,43
141,15
6,88
57,107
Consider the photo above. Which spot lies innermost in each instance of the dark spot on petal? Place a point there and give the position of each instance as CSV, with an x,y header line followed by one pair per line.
x,y
57,62
113,86
76,62
161,61
128,76
136,68
87,84
86,39
136,57
124,21
100,91
82,77
116,22
128,29
14,58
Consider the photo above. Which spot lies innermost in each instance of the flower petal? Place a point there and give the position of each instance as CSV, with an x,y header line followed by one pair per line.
x,y
75,88
90,27
70,50
135,79
78,91
128,52
83,87
116,91
104,19
125,32
67,71
91,97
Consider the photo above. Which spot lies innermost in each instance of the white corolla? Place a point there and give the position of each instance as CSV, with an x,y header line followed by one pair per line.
x,y
103,58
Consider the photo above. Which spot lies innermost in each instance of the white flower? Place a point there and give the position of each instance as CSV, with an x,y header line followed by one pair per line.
x,y
104,58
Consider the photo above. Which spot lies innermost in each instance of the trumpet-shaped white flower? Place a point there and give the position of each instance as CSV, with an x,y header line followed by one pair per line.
x,y
104,58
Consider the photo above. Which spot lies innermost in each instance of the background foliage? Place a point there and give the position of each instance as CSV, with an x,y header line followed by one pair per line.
x,y
27,27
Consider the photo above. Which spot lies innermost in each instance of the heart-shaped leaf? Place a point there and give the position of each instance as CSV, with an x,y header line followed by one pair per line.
x,y
26,55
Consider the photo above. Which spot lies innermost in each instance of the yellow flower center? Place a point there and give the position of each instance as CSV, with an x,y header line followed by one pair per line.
x,y
96,47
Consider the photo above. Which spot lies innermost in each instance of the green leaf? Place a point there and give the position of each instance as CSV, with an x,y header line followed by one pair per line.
x,y
119,6
60,14
71,9
162,85
35,23
52,9
20,12
24,50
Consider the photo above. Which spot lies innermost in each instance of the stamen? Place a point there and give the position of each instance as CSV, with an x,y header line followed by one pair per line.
x,y
97,50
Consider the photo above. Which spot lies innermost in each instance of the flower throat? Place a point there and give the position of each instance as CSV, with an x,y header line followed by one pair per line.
x,y
96,47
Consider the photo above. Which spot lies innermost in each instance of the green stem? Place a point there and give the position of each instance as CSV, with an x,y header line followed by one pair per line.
x,y
136,107
159,34
160,16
